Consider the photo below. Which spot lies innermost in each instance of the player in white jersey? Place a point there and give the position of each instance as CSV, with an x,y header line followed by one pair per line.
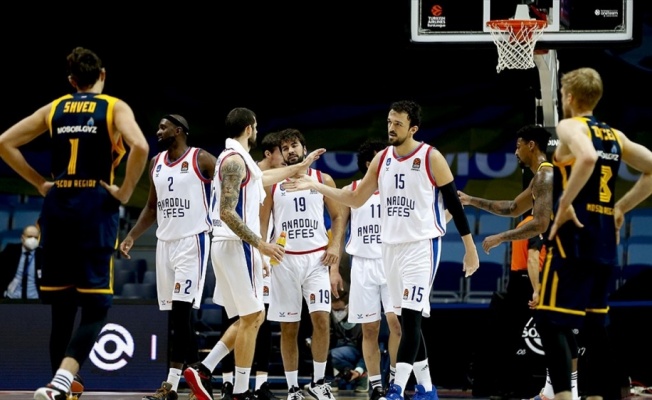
x,y
304,272
415,183
368,290
180,178
236,195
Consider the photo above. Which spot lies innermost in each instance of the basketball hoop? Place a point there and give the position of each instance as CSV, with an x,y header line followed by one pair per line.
x,y
515,40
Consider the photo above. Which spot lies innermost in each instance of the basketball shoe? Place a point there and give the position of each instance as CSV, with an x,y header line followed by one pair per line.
x,y
198,378
376,393
165,392
264,393
421,394
393,393
295,394
49,392
321,390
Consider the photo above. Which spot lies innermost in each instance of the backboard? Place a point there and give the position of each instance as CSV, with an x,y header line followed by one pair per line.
x,y
570,22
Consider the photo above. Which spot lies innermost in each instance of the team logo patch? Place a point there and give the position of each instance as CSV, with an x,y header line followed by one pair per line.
x,y
416,164
158,168
406,294
177,287
312,298
266,291
387,162
313,191
184,166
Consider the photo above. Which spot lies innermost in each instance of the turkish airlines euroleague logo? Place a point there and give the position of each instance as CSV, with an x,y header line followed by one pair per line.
x,y
436,10
113,349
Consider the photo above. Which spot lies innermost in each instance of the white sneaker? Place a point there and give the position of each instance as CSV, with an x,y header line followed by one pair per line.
x,y
295,394
321,390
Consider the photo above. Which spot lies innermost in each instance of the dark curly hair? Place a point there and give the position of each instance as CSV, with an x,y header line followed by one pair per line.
x,y
368,150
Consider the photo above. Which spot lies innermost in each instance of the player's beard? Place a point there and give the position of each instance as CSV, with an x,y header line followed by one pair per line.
x,y
298,161
165,143
251,142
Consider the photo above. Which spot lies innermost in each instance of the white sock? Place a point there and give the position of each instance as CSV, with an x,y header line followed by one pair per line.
x,y
403,372
218,352
576,395
548,391
376,381
260,379
392,373
422,374
62,380
293,378
174,375
241,383
319,370
227,377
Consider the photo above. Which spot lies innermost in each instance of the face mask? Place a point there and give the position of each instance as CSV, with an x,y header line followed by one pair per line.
x,y
339,315
31,243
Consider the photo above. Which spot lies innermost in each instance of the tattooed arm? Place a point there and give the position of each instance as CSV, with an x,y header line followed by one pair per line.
x,y
541,190
233,170
504,208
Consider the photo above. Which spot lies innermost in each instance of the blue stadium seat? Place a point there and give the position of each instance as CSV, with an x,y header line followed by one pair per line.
x,y
639,225
122,277
489,224
149,277
496,255
133,290
452,250
25,214
10,236
481,286
10,199
638,251
138,265
630,271
451,230
448,286
5,216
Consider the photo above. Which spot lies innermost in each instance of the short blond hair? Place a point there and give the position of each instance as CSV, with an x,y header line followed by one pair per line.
x,y
585,85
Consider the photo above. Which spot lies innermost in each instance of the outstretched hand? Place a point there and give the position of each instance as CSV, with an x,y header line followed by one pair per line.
x,y
312,157
303,182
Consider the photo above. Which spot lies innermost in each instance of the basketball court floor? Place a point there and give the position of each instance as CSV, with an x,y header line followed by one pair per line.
x,y
341,395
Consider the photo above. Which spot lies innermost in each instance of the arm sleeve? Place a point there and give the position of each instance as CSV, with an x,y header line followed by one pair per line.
x,y
454,206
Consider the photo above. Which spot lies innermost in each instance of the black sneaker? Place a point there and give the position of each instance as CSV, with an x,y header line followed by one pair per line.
x,y
377,393
198,378
264,393
227,391
248,395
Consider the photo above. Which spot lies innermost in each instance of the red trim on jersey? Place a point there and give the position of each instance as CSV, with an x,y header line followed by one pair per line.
x,y
319,178
381,162
178,160
401,159
195,166
431,176
305,252
151,170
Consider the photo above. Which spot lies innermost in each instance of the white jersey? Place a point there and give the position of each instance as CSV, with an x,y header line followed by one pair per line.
x,y
248,207
182,196
364,227
412,204
301,215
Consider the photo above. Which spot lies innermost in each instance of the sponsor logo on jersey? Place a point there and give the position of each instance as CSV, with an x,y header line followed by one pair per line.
x,y
416,164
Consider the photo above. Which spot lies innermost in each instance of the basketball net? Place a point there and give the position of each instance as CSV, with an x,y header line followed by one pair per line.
x,y
516,38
